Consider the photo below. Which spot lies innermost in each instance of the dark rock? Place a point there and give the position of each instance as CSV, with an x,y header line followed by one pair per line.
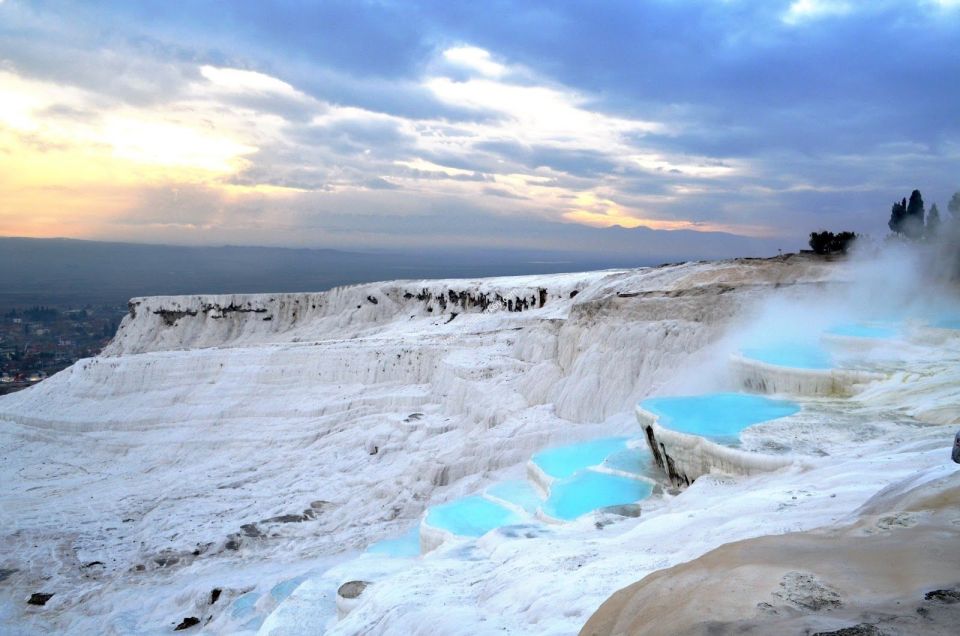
x,y
187,623
93,563
232,543
374,450
808,592
208,307
6,573
251,530
943,596
319,504
166,560
652,443
574,293
413,417
664,461
372,300
171,316
956,448
767,608
285,519
678,478
39,598
863,629
352,589
215,595
624,510
441,476
523,531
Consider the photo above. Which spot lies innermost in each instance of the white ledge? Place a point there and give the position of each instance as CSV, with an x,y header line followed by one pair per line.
x,y
685,457
763,377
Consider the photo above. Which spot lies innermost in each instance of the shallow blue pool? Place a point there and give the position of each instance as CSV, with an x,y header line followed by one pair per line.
x,y
243,605
564,461
472,516
589,490
282,590
407,545
857,330
799,356
630,460
518,492
719,416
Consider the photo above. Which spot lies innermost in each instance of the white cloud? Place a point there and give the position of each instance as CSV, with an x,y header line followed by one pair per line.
x,y
476,59
422,165
538,114
805,10
241,81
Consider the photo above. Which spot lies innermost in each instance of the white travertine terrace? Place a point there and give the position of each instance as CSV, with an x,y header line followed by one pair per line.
x,y
684,456
209,447
762,377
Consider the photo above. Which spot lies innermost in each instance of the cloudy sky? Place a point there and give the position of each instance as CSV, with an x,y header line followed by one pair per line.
x,y
495,123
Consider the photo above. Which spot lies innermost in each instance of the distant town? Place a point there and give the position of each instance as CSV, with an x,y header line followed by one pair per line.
x,y
36,342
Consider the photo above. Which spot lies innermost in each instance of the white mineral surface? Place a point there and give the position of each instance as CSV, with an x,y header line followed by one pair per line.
x,y
257,444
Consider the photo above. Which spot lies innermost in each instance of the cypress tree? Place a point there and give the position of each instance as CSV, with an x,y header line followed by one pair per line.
x,y
913,225
933,221
898,214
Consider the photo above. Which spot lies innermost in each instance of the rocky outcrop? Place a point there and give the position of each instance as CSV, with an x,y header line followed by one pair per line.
x,y
870,577
348,595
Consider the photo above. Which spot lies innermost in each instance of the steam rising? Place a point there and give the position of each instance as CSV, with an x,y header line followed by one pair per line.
x,y
904,286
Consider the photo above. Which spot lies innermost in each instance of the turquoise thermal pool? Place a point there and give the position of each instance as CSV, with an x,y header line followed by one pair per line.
x,y
472,516
518,492
719,416
564,461
799,356
407,545
244,604
589,490
583,480
856,330
631,460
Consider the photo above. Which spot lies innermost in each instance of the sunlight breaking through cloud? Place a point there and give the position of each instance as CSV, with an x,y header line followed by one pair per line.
x,y
802,10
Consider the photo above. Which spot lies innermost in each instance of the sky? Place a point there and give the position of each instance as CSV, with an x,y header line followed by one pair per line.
x,y
475,124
